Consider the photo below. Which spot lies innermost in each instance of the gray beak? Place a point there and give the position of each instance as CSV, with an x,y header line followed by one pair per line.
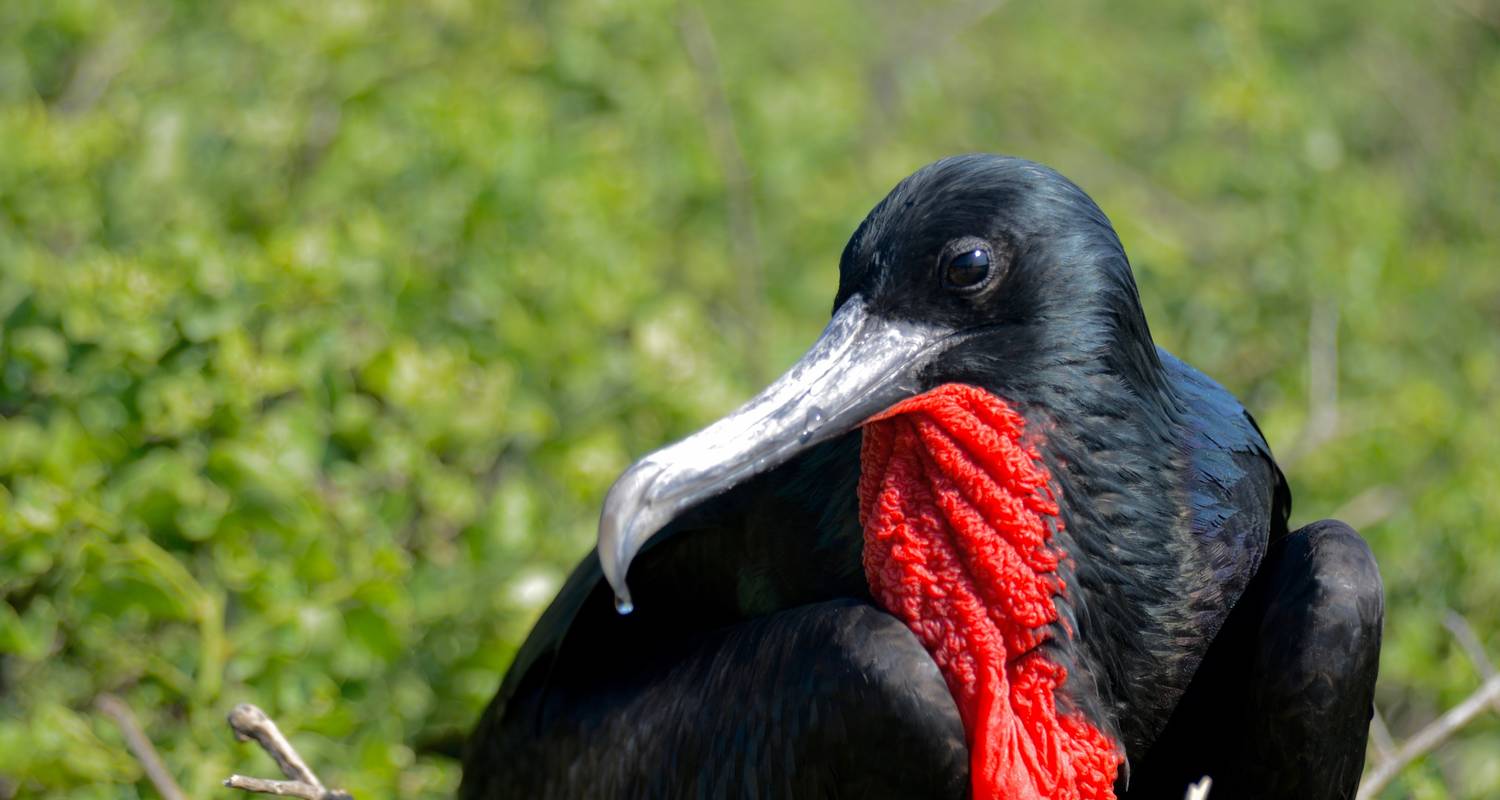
x,y
860,366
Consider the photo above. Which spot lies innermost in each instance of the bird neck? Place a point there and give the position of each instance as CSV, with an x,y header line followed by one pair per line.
x,y
1112,447
959,516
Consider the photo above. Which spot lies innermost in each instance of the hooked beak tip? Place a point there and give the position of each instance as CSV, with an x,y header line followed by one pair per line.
x,y
627,506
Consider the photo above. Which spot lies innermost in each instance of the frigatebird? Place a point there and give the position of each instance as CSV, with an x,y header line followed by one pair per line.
x,y
984,539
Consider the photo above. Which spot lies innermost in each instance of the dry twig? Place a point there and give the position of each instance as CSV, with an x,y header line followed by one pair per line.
x,y
1394,759
249,722
1380,736
99,67
1371,507
140,746
1426,740
1199,790
739,190
1469,641
1322,423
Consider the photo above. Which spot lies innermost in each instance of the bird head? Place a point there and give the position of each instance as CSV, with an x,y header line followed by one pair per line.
x,y
978,269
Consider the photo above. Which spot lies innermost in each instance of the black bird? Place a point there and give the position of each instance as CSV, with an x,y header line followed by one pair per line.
x,y
984,538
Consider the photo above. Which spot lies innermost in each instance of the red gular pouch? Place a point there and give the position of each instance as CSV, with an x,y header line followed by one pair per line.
x,y
957,513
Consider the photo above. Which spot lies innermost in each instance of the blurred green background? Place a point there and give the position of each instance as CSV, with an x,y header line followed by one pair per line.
x,y
326,324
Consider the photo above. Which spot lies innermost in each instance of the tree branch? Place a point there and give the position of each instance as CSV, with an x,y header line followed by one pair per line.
x,y
1322,423
140,746
1426,740
1469,641
249,722
306,791
744,228
1371,507
1380,736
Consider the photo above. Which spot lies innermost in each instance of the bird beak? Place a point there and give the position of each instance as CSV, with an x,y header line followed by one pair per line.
x,y
860,365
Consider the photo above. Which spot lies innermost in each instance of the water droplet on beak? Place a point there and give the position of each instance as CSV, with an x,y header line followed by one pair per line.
x,y
810,425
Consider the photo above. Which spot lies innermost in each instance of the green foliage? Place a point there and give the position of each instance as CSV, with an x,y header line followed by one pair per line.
x,y
325,325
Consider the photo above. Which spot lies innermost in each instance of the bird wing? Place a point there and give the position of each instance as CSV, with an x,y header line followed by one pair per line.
x,y
1281,705
1238,499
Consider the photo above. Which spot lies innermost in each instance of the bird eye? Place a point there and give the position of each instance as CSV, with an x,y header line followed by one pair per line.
x,y
967,269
